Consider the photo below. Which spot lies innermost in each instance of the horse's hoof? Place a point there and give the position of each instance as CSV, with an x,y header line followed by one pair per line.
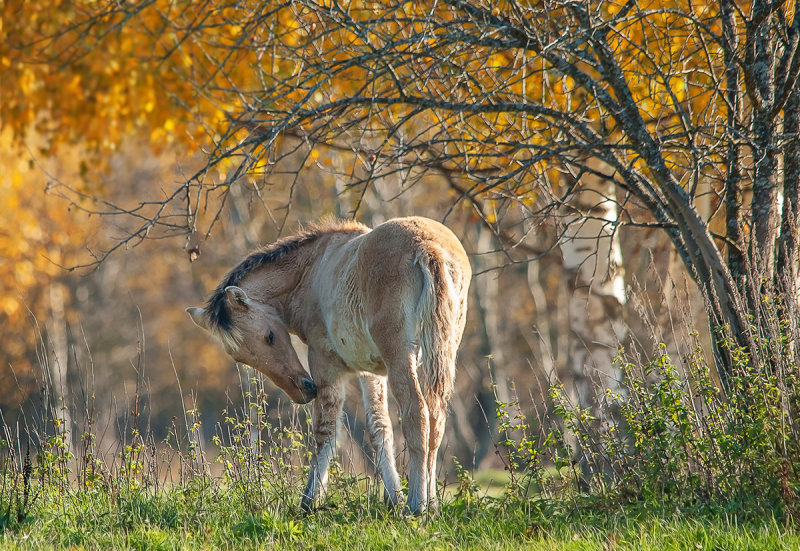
x,y
407,511
307,507
394,504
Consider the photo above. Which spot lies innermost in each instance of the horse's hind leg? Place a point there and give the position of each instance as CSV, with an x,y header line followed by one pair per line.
x,y
401,367
438,416
379,428
393,328
414,413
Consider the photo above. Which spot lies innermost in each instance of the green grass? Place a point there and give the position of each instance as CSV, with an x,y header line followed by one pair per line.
x,y
722,477
206,516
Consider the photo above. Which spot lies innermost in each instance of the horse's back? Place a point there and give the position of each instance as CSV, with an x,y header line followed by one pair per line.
x,y
411,234
389,253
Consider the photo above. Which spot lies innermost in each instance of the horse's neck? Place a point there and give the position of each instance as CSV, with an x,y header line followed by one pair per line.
x,y
279,282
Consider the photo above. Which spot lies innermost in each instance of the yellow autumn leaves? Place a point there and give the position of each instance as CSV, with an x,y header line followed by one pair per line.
x,y
39,235
93,75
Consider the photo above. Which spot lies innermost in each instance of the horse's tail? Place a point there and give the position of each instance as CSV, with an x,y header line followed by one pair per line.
x,y
442,310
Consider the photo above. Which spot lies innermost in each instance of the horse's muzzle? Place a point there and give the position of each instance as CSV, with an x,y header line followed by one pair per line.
x,y
309,389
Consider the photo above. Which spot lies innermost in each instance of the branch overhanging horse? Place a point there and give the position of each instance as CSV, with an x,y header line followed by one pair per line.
x,y
388,303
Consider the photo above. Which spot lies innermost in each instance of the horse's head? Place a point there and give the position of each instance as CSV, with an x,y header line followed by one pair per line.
x,y
262,341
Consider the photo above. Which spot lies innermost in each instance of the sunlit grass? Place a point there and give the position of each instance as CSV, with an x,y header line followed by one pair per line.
x,y
241,490
208,517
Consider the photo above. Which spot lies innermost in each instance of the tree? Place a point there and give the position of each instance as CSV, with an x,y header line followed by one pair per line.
x,y
515,105
524,102
39,235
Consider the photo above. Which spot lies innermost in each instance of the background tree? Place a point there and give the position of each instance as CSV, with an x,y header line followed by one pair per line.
x,y
552,111
525,102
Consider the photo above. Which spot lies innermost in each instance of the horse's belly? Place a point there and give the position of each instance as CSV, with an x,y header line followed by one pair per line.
x,y
356,348
342,311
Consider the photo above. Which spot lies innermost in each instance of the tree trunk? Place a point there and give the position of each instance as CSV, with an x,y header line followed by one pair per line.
x,y
593,270
490,307
540,342
733,181
58,361
761,89
787,272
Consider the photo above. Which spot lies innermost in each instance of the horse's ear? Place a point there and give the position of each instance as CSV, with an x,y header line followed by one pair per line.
x,y
237,297
198,316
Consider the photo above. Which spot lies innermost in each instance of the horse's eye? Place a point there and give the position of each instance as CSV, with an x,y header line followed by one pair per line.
x,y
271,338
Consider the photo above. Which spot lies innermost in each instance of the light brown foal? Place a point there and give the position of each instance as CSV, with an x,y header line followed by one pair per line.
x,y
388,303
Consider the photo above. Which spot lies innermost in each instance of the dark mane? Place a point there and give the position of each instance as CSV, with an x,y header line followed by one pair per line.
x,y
217,311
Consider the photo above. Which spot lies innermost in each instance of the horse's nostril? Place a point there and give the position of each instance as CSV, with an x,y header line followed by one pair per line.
x,y
309,386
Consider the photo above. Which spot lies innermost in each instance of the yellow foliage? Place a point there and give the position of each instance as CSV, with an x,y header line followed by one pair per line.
x,y
96,96
165,78
37,234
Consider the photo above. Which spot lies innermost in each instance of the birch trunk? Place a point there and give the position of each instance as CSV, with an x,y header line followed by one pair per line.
x,y
489,305
595,277
57,362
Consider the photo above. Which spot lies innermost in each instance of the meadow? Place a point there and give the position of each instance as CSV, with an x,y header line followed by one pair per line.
x,y
690,470
204,516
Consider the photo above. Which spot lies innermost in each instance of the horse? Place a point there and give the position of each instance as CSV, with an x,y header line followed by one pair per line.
x,y
388,304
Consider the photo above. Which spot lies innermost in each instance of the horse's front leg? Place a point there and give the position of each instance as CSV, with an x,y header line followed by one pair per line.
x,y
327,411
379,428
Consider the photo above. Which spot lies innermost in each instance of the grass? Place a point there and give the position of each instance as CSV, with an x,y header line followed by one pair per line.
x,y
205,514
692,471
